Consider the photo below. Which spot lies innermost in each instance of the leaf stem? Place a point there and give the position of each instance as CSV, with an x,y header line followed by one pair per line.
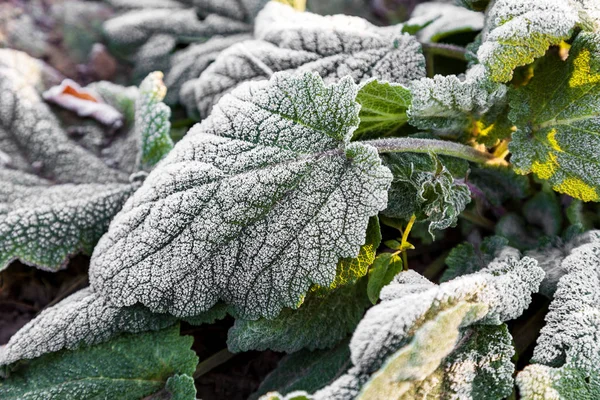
x,y
212,362
445,50
404,243
439,147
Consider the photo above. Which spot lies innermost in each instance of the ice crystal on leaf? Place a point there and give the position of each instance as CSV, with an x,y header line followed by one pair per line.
x,y
556,138
518,31
333,46
447,20
568,349
56,196
252,206
445,341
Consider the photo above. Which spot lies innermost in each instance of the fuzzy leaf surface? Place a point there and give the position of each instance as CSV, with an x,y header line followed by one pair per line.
x,y
263,198
557,138
128,367
332,46
517,32
448,19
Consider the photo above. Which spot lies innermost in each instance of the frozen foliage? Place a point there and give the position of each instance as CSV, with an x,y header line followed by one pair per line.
x,y
568,349
466,259
252,206
518,31
57,197
82,318
129,367
550,258
449,103
332,46
448,19
556,139
445,341
149,32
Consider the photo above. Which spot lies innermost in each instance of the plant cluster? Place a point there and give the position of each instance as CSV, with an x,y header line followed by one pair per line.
x,y
329,152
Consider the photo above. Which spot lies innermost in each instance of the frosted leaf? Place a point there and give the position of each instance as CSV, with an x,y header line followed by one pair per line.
x,y
556,139
568,348
44,220
244,202
448,20
449,103
518,31
333,46
550,258
189,63
415,333
84,102
466,259
42,223
129,367
84,317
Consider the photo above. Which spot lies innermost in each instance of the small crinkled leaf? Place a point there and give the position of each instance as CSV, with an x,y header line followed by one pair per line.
x,y
332,46
466,259
551,256
557,138
448,19
413,333
306,370
385,267
84,317
568,348
255,204
326,316
451,103
383,108
519,31
127,367
43,224
424,187
152,121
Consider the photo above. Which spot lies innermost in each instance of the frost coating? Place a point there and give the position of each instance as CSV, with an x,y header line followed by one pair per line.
x,y
43,223
406,322
251,207
448,19
568,348
82,318
518,31
449,103
333,47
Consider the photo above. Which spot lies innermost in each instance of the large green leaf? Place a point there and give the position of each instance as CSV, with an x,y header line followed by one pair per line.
x,y
253,206
557,138
519,31
128,367
333,46
383,107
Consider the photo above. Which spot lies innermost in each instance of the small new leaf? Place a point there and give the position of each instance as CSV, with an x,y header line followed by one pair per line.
x,y
385,267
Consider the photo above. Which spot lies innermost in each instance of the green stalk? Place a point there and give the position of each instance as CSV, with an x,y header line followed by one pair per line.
x,y
445,50
439,147
212,362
